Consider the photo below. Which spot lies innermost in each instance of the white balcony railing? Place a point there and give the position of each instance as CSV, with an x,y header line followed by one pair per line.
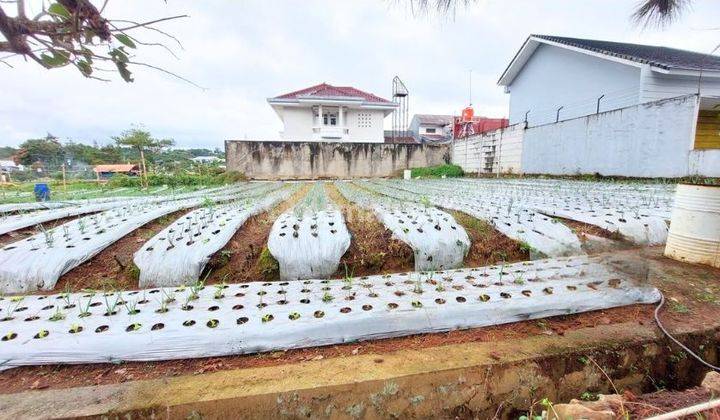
x,y
330,132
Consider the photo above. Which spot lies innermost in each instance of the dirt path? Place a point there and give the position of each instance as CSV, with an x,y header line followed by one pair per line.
x,y
488,246
113,267
372,250
245,257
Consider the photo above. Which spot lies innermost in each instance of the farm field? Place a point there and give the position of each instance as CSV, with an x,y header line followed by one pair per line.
x,y
261,266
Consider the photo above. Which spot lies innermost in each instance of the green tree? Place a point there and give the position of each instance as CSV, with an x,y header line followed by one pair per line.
x,y
142,141
48,152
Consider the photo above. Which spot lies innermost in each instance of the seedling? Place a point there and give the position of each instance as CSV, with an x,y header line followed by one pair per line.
x,y
110,308
58,315
327,297
48,235
75,328
219,291
418,286
518,279
132,308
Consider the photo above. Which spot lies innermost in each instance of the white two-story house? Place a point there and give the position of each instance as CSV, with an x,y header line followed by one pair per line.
x,y
332,114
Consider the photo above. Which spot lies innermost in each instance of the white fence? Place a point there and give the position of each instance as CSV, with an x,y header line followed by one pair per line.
x,y
653,139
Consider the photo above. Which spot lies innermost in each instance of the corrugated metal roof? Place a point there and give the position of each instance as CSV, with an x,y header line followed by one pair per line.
x,y
663,57
433,119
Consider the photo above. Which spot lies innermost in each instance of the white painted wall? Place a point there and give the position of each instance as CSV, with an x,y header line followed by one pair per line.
x,y
364,125
362,131
705,162
484,152
298,123
555,77
655,85
647,140
510,149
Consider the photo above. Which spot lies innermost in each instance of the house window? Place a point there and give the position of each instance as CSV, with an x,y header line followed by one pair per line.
x,y
430,130
330,119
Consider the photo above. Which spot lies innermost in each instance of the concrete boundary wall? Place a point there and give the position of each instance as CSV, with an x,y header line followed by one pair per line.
x,y
648,140
653,139
312,160
486,152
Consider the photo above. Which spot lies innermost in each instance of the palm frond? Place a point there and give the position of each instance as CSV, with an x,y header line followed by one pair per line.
x,y
659,12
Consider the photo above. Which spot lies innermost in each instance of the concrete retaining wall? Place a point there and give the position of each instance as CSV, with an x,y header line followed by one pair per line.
x,y
646,140
309,160
483,153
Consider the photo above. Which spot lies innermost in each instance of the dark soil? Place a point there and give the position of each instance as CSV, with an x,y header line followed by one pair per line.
x,y
647,405
488,245
583,229
113,267
373,250
240,260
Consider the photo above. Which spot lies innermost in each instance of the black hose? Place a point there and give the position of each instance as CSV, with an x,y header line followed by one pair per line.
x,y
657,320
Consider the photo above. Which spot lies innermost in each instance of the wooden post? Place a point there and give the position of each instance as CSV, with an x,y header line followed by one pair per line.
x,y
64,179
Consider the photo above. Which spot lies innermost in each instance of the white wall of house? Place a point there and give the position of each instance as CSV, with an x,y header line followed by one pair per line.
x,y
655,85
298,123
365,126
555,77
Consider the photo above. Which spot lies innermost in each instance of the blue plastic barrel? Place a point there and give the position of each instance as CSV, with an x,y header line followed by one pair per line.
x,y
42,192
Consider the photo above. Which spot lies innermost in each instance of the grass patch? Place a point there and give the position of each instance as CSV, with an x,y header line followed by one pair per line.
x,y
267,264
448,171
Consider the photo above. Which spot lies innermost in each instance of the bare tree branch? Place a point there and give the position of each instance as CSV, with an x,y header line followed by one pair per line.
x,y
152,22
71,32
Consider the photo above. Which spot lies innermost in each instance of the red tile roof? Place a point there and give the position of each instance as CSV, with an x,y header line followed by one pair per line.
x,y
326,90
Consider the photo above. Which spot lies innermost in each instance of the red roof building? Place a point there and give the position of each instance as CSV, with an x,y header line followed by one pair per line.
x,y
332,113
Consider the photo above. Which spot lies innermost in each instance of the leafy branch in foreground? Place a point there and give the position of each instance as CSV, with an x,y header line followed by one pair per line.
x,y
75,33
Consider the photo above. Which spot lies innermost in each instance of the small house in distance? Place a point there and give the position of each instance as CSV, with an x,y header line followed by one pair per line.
x,y
431,127
332,113
104,172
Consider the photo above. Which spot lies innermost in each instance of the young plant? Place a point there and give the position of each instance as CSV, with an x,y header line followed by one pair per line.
x,y
219,288
132,308
58,315
418,286
110,308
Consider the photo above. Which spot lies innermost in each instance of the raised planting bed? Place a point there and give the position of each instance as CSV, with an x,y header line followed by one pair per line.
x,y
37,262
203,321
539,232
76,208
309,240
178,254
437,240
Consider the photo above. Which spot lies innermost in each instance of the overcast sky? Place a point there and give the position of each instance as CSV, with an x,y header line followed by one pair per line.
x,y
245,51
